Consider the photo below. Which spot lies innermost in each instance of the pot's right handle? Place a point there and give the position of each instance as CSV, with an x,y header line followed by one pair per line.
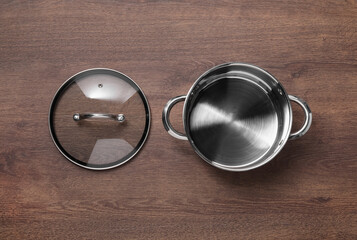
x,y
308,117
166,117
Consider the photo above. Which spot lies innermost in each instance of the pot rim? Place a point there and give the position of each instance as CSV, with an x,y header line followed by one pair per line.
x,y
251,165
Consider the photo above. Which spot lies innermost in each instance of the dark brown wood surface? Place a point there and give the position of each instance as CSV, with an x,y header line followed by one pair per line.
x,y
309,191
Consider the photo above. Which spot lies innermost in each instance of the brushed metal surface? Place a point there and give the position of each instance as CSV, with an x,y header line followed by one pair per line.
x,y
236,116
233,122
246,116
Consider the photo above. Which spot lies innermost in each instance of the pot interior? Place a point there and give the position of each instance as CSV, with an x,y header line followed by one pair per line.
x,y
236,116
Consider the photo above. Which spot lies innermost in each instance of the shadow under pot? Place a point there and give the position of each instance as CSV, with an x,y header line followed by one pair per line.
x,y
237,117
99,119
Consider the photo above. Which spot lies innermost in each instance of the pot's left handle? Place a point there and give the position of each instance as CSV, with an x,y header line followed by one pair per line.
x,y
166,117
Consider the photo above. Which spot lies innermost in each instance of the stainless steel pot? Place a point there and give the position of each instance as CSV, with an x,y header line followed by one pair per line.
x,y
237,116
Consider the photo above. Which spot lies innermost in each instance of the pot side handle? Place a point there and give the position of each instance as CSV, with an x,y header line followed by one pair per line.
x,y
166,117
308,117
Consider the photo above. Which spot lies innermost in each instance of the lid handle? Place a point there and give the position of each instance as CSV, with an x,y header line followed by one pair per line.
x,y
81,116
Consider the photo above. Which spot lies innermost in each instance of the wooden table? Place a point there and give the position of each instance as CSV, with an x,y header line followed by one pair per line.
x,y
309,191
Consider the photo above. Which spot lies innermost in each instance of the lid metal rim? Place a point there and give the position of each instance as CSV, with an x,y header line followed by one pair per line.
x,y
135,151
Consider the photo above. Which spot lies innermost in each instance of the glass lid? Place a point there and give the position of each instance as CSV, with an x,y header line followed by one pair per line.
x,y
99,118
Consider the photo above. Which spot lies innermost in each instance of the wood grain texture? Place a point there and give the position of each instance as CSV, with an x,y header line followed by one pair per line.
x,y
309,191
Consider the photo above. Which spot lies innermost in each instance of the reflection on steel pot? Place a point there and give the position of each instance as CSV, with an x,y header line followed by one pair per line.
x,y
237,117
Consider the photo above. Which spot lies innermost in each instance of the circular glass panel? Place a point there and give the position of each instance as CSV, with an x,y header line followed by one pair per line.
x,y
99,119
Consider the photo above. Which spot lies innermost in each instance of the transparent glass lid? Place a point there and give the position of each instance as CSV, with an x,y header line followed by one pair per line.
x,y
99,119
